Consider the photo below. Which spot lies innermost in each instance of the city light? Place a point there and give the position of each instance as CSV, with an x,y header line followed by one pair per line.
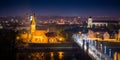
x,y
60,30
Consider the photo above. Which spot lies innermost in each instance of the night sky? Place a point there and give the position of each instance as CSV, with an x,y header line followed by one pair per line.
x,y
60,7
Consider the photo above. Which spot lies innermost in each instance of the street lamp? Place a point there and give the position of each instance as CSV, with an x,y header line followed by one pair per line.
x,y
97,35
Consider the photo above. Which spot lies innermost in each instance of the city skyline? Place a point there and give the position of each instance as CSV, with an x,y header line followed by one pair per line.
x,y
60,7
60,29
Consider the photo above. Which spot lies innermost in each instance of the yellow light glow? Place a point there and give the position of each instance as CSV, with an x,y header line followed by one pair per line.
x,y
79,32
115,56
31,18
97,33
17,38
51,54
118,56
61,55
60,39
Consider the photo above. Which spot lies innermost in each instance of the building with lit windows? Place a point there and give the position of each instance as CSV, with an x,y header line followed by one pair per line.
x,y
92,23
33,35
36,36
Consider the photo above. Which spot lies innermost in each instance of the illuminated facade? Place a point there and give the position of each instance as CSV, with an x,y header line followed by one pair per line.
x,y
106,36
103,36
37,36
91,23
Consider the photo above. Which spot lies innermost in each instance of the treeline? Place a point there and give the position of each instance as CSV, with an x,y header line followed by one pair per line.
x,y
7,44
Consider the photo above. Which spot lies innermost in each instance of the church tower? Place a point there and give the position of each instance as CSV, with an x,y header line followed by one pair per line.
x,y
89,22
32,24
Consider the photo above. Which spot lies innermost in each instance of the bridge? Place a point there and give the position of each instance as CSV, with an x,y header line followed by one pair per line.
x,y
89,46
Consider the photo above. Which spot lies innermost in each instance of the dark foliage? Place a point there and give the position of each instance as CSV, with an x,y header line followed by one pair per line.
x,y
7,44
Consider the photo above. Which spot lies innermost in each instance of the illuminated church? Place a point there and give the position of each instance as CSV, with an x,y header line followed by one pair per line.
x,y
36,36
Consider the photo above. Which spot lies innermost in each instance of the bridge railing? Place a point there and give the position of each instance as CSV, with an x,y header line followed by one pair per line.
x,y
92,50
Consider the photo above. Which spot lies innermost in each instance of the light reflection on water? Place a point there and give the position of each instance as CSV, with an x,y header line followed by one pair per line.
x,y
114,53
110,50
116,56
31,56
60,55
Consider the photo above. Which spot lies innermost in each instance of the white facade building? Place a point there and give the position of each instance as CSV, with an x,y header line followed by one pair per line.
x,y
91,23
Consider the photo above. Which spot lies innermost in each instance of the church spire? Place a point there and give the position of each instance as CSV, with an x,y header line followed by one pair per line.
x,y
33,24
32,20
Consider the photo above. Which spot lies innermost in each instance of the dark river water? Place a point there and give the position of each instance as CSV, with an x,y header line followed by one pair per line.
x,y
64,51
112,49
52,55
58,55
